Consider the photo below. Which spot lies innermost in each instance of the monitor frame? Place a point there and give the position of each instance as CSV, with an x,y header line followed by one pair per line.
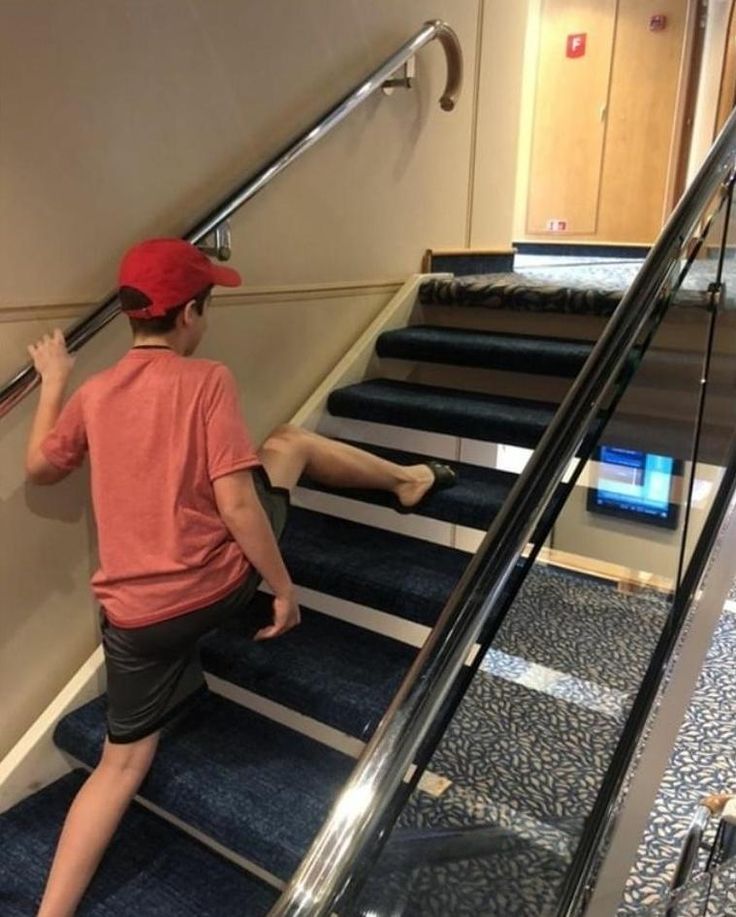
x,y
670,521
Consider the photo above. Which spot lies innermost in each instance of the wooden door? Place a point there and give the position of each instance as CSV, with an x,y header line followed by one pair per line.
x,y
569,130
604,134
640,135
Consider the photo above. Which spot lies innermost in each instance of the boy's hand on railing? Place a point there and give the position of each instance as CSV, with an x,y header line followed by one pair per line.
x,y
286,615
52,360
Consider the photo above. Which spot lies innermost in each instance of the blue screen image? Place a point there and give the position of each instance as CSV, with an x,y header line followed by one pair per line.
x,y
635,482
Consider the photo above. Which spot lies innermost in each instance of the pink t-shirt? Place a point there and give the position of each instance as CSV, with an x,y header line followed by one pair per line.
x,y
159,428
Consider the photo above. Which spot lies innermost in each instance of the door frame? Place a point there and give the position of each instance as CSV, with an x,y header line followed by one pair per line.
x,y
685,118
727,92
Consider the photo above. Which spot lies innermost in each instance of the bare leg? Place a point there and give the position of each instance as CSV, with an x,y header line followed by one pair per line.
x,y
290,451
92,820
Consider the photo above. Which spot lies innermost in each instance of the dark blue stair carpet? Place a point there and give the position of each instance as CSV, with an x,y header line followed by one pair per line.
x,y
256,787
512,352
473,501
151,869
462,263
404,576
516,421
335,672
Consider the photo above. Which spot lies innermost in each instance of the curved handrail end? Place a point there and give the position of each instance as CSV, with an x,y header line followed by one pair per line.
x,y
453,52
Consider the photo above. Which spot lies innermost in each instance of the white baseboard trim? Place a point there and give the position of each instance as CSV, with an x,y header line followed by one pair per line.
x,y
285,716
379,517
35,761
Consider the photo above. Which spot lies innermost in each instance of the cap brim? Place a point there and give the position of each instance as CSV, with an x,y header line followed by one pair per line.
x,y
225,276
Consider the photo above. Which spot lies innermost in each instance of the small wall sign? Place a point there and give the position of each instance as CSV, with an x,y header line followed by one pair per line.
x,y
556,225
576,44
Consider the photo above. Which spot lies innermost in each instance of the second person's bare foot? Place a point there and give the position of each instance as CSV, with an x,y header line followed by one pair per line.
x,y
421,479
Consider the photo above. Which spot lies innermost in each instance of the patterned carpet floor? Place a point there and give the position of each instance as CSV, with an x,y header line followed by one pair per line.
x,y
526,868
511,738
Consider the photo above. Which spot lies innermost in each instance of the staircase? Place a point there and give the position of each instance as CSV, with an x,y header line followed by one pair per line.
x,y
243,781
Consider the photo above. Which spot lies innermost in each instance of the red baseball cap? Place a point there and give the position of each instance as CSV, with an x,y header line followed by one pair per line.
x,y
170,272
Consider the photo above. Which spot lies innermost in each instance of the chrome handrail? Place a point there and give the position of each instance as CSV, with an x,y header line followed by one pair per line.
x,y
361,813
26,379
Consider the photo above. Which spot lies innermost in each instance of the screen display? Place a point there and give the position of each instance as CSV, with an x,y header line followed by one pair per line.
x,y
635,485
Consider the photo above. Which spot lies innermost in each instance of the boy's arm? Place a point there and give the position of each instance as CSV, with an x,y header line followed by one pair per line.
x,y
242,513
54,365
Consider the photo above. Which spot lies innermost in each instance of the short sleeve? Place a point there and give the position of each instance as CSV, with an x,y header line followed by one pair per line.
x,y
229,444
65,446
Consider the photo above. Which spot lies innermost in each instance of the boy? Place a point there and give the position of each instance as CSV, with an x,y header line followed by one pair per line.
x,y
188,515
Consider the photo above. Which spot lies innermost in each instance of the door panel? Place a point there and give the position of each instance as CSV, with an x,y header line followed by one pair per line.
x,y
641,120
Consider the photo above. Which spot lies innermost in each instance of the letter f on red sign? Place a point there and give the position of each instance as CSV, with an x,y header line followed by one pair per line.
x,y
576,44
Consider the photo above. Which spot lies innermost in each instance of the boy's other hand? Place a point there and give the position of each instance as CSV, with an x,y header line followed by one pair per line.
x,y
286,615
52,360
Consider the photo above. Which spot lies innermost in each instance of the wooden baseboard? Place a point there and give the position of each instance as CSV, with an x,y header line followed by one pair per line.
x,y
626,579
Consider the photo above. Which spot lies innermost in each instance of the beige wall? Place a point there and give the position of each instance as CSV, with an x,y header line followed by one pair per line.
x,y
279,343
497,122
711,71
128,118
526,115
634,546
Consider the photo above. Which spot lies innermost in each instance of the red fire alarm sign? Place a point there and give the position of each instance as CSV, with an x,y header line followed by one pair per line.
x,y
576,44
657,23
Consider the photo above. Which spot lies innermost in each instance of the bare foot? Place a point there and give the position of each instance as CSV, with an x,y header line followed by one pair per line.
x,y
411,491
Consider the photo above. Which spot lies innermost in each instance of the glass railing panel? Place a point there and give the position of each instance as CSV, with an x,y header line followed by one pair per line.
x,y
627,516
716,267
495,823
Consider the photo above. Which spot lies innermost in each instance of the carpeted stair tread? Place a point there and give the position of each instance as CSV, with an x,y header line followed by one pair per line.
x,y
404,576
151,867
515,421
524,292
518,292
485,350
256,787
474,499
340,674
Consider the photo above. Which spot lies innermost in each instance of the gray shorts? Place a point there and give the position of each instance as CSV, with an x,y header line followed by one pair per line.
x,y
153,672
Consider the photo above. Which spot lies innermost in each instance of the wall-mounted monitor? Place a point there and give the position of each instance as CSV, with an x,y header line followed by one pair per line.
x,y
639,486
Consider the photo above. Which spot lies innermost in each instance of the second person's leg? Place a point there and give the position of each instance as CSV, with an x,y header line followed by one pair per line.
x,y
290,451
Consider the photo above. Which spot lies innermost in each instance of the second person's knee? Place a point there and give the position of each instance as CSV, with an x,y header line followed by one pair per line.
x,y
285,436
